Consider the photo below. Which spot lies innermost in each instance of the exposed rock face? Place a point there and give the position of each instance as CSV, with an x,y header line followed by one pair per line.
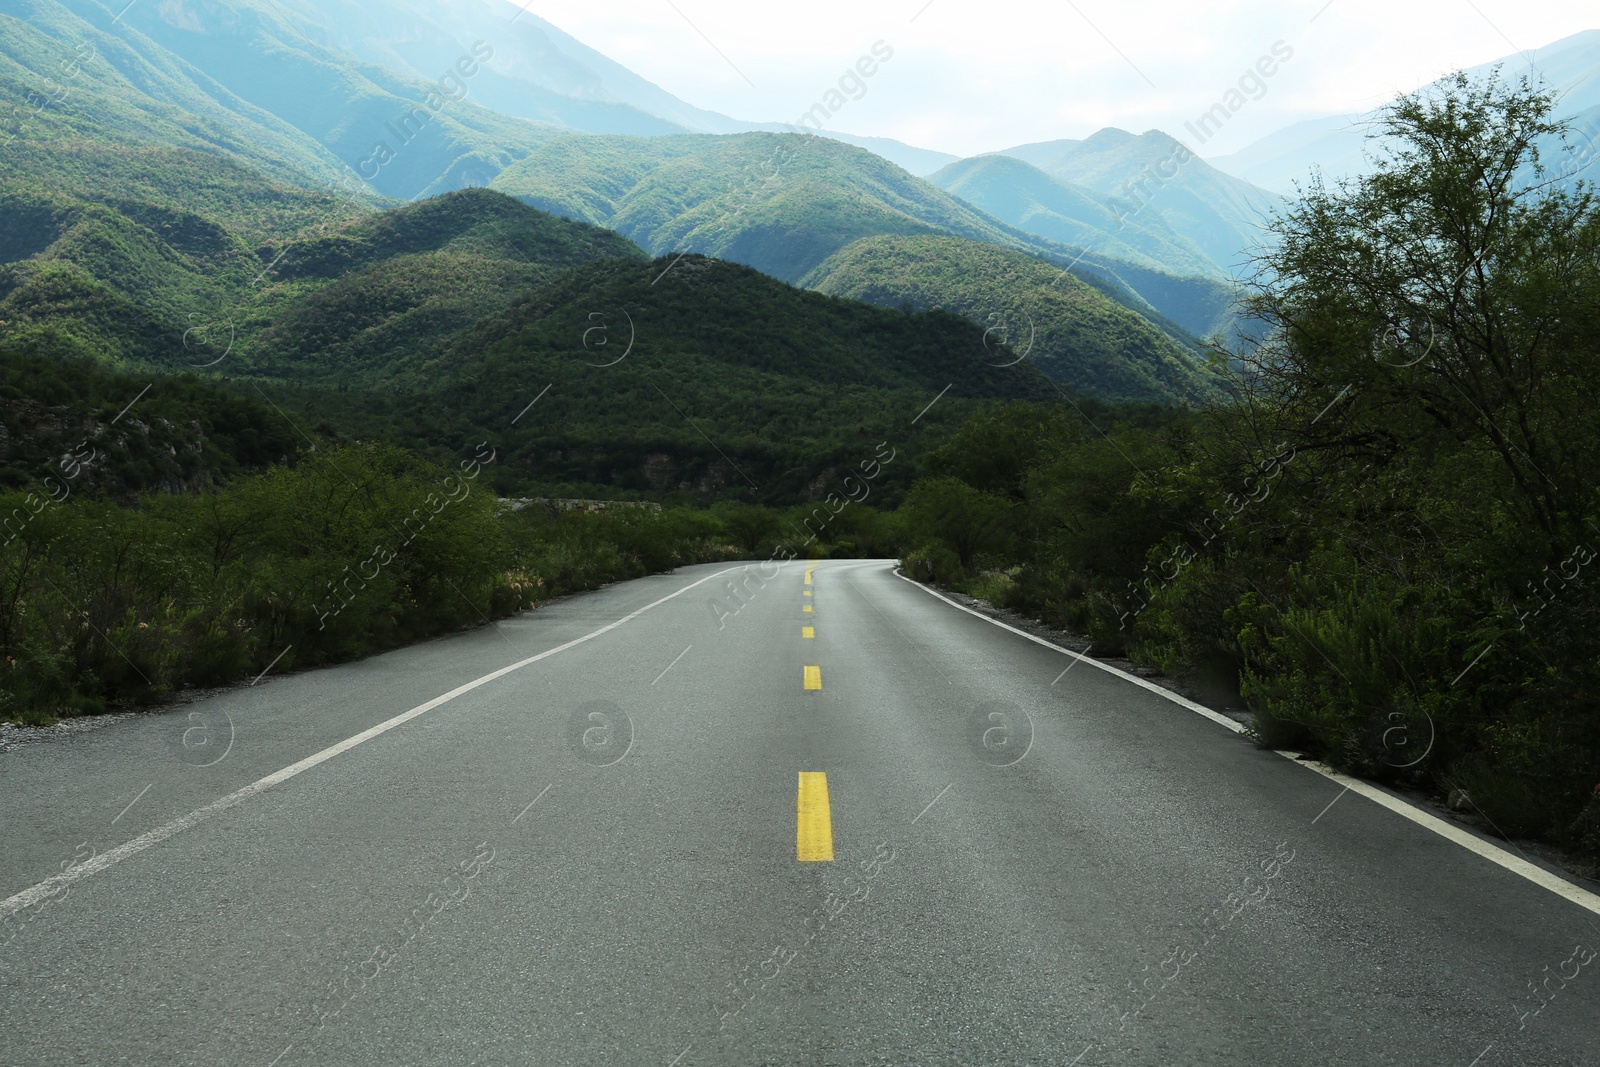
x,y
659,470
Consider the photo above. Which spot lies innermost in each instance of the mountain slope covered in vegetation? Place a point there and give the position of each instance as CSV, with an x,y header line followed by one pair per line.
x,y
714,378
781,203
1029,199
1066,328
784,203
141,282
1224,217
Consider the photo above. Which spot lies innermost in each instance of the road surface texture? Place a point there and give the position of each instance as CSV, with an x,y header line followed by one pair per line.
x,y
834,821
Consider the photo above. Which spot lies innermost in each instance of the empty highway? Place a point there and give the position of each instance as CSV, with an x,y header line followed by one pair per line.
x,y
825,818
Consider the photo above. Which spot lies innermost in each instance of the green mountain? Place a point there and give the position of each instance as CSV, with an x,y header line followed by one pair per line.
x,y
170,213
455,306
76,81
1221,215
280,89
1031,200
705,377
369,299
781,203
147,284
784,203
1068,329
402,135
451,92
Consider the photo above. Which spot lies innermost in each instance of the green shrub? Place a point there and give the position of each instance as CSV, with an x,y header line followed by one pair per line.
x,y
361,549
934,564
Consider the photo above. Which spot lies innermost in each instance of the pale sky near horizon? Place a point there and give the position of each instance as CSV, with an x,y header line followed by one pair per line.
x,y
959,69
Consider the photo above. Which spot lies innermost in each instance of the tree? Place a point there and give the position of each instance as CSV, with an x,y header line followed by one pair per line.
x,y
1432,360
751,527
1452,295
968,520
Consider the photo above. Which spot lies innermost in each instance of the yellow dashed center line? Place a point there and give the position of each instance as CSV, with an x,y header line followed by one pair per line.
x,y
813,677
808,577
808,631
806,593
814,819
807,608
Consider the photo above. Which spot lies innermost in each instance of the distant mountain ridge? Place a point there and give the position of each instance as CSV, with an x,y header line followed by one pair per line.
x,y
1336,144
542,74
1029,199
337,74
1152,172
121,88
780,202
786,203
396,134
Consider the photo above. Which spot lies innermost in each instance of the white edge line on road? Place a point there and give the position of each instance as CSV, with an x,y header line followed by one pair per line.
x,y
1198,709
1404,808
54,884
1451,832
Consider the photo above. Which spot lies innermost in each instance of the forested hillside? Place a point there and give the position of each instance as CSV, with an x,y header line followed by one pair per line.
x,y
116,435
1066,328
133,281
1114,226
693,378
781,203
786,203
366,301
1226,218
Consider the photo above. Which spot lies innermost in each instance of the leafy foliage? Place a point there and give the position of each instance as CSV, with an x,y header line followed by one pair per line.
x,y
353,550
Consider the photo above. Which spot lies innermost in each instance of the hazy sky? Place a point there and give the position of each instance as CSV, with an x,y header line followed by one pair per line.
x,y
969,77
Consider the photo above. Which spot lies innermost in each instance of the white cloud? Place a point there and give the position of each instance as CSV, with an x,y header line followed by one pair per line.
x,y
972,77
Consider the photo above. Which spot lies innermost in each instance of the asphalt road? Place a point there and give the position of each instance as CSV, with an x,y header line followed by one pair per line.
x,y
605,856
